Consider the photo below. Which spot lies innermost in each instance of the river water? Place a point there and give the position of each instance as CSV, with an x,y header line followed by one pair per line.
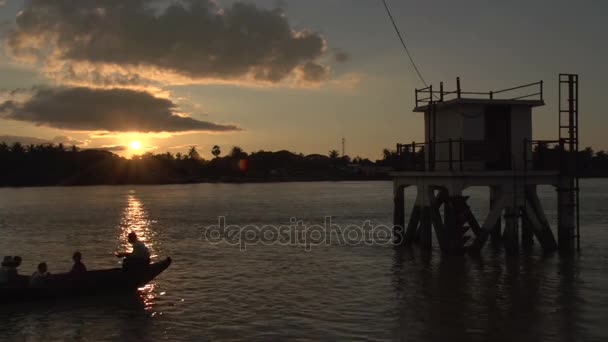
x,y
279,289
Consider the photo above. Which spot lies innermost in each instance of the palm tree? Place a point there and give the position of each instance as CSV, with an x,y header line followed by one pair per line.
x,y
334,154
237,152
17,148
216,151
193,153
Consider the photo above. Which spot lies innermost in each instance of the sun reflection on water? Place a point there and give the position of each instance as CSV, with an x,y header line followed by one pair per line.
x,y
135,219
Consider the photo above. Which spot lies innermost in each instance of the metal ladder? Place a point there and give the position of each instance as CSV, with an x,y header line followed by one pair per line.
x,y
568,136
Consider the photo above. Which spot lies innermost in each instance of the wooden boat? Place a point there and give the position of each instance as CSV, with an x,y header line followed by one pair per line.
x,y
88,283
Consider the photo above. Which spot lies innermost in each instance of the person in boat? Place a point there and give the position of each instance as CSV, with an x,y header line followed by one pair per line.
x,y
139,257
78,266
41,277
8,270
5,270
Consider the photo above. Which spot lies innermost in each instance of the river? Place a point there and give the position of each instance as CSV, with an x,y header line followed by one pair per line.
x,y
277,289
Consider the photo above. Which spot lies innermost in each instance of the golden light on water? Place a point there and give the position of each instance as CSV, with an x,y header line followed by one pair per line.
x,y
135,219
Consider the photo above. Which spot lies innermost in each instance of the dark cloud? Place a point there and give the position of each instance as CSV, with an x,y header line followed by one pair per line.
x,y
341,56
312,72
11,139
112,110
114,148
62,139
194,39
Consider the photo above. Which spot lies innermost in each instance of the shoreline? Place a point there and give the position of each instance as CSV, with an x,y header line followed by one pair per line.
x,y
212,181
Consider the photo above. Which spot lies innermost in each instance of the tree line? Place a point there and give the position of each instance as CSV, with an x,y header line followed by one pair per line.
x,y
56,164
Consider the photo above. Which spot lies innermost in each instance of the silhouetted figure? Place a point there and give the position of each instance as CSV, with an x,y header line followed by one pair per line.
x,y
139,257
40,278
5,271
78,266
8,270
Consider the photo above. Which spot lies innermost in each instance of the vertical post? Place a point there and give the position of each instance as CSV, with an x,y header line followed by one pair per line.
x,y
426,229
491,95
541,90
461,153
451,157
434,136
416,96
566,217
511,234
431,161
413,223
458,92
527,233
399,215
414,156
572,136
441,91
525,154
496,234
562,151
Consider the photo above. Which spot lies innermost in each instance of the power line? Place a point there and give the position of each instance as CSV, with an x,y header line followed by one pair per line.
x,y
407,51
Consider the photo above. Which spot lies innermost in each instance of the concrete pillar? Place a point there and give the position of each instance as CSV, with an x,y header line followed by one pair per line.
x,y
496,234
511,233
537,221
399,215
426,228
566,219
527,233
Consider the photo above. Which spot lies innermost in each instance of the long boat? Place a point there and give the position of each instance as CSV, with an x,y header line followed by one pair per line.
x,y
89,283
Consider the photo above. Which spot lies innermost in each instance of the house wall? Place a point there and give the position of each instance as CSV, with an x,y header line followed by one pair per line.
x,y
521,128
467,121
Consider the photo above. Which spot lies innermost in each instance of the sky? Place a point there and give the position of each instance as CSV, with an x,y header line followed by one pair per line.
x,y
280,74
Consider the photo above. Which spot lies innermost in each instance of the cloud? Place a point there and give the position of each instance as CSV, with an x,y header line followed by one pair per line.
x,y
119,42
341,56
105,110
11,139
111,148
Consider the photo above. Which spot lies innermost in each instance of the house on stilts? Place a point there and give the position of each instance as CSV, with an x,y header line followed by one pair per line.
x,y
486,139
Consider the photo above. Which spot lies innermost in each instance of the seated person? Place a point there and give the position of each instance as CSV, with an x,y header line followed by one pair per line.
x,y
40,278
139,256
5,270
78,267
8,270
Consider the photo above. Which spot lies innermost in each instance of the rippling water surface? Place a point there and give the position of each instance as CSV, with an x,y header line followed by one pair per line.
x,y
283,292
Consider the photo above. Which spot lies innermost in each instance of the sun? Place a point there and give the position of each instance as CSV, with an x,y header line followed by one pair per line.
x,y
135,145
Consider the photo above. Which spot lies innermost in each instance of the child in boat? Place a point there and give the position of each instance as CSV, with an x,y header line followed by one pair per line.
x,y
78,267
40,278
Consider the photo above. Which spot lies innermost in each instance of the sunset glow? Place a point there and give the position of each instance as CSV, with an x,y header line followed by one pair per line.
x,y
135,145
